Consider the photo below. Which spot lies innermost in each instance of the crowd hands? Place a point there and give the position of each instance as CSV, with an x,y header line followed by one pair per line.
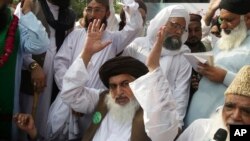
x,y
93,41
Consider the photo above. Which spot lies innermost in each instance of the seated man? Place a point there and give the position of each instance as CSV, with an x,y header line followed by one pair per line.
x,y
237,98
131,109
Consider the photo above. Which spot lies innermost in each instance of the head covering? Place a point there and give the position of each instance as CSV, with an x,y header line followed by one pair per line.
x,y
241,83
162,17
121,65
240,7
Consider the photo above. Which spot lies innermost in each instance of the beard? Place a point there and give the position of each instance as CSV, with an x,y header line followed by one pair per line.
x,y
217,122
172,43
4,17
121,114
61,3
232,39
88,21
192,41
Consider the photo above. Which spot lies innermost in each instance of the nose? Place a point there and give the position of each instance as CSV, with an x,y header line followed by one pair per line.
x,y
223,25
119,90
236,115
179,31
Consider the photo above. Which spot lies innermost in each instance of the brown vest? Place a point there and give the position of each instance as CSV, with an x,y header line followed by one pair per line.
x,y
138,130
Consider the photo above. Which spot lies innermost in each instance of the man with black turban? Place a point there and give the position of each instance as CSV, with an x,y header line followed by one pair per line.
x,y
135,106
231,52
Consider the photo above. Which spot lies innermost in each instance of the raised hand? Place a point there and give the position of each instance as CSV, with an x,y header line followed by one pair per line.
x,y
93,42
153,60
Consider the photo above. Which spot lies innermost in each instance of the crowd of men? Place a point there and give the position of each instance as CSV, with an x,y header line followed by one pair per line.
x,y
106,79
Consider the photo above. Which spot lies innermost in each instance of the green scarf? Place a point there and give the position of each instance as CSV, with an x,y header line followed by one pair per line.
x,y
7,82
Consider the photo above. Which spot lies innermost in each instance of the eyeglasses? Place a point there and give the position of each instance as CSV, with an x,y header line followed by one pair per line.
x,y
177,26
94,10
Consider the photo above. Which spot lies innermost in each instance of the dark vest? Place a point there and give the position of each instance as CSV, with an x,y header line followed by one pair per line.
x,y
138,130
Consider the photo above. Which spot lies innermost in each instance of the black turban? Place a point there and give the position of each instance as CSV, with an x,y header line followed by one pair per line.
x,y
121,65
240,7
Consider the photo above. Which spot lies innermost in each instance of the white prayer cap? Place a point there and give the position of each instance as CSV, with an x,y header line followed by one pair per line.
x,y
179,11
162,17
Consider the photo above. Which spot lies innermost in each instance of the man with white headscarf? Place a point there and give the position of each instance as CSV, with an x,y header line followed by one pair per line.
x,y
175,67
231,53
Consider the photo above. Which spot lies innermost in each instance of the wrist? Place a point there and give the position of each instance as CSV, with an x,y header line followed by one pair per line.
x,y
25,11
34,65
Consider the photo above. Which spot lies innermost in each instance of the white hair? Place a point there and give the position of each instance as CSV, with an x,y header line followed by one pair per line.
x,y
235,38
120,113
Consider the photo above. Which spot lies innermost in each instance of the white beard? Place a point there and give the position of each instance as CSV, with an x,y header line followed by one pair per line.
x,y
235,38
217,123
120,113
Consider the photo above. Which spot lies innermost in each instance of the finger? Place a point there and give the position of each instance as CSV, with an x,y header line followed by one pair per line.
x,y
90,27
94,26
102,28
98,25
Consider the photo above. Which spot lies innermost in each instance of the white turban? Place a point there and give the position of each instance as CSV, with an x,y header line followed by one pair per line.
x,y
162,17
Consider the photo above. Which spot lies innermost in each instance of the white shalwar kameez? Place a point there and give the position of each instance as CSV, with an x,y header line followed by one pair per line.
x,y
204,129
175,67
61,120
45,96
160,116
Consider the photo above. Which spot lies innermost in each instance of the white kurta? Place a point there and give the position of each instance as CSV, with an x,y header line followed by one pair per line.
x,y
203,129
175,67
60,114
45,97
160,116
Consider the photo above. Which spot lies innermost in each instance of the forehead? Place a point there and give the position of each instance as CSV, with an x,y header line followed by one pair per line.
x,y
120,78
194,24
227,14
179,20
95,4
239,100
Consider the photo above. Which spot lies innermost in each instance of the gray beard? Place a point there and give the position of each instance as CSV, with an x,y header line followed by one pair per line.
x,y
234,38
120,113
171,43
217,122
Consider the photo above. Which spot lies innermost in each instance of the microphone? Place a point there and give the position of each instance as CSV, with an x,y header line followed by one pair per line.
x,y
220,135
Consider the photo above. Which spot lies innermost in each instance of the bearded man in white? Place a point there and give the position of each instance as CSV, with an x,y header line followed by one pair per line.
x,y
173,63
237,98
231,53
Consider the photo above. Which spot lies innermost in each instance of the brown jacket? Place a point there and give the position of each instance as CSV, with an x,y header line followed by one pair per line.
x,y
138,130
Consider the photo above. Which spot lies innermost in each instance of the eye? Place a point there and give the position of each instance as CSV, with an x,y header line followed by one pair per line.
x,y
112,86
125,84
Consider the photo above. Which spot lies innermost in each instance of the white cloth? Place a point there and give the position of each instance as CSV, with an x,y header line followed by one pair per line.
x,y
45,97
160,116
69,51
175,67
204,129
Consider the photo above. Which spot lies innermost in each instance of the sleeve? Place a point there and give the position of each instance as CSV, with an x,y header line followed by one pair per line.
x,y
74,92
229,78
34,38
27,59
195,131
133,25
154,95
182,88
63,60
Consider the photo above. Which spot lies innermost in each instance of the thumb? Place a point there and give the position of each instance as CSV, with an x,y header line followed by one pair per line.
x,y
105,44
